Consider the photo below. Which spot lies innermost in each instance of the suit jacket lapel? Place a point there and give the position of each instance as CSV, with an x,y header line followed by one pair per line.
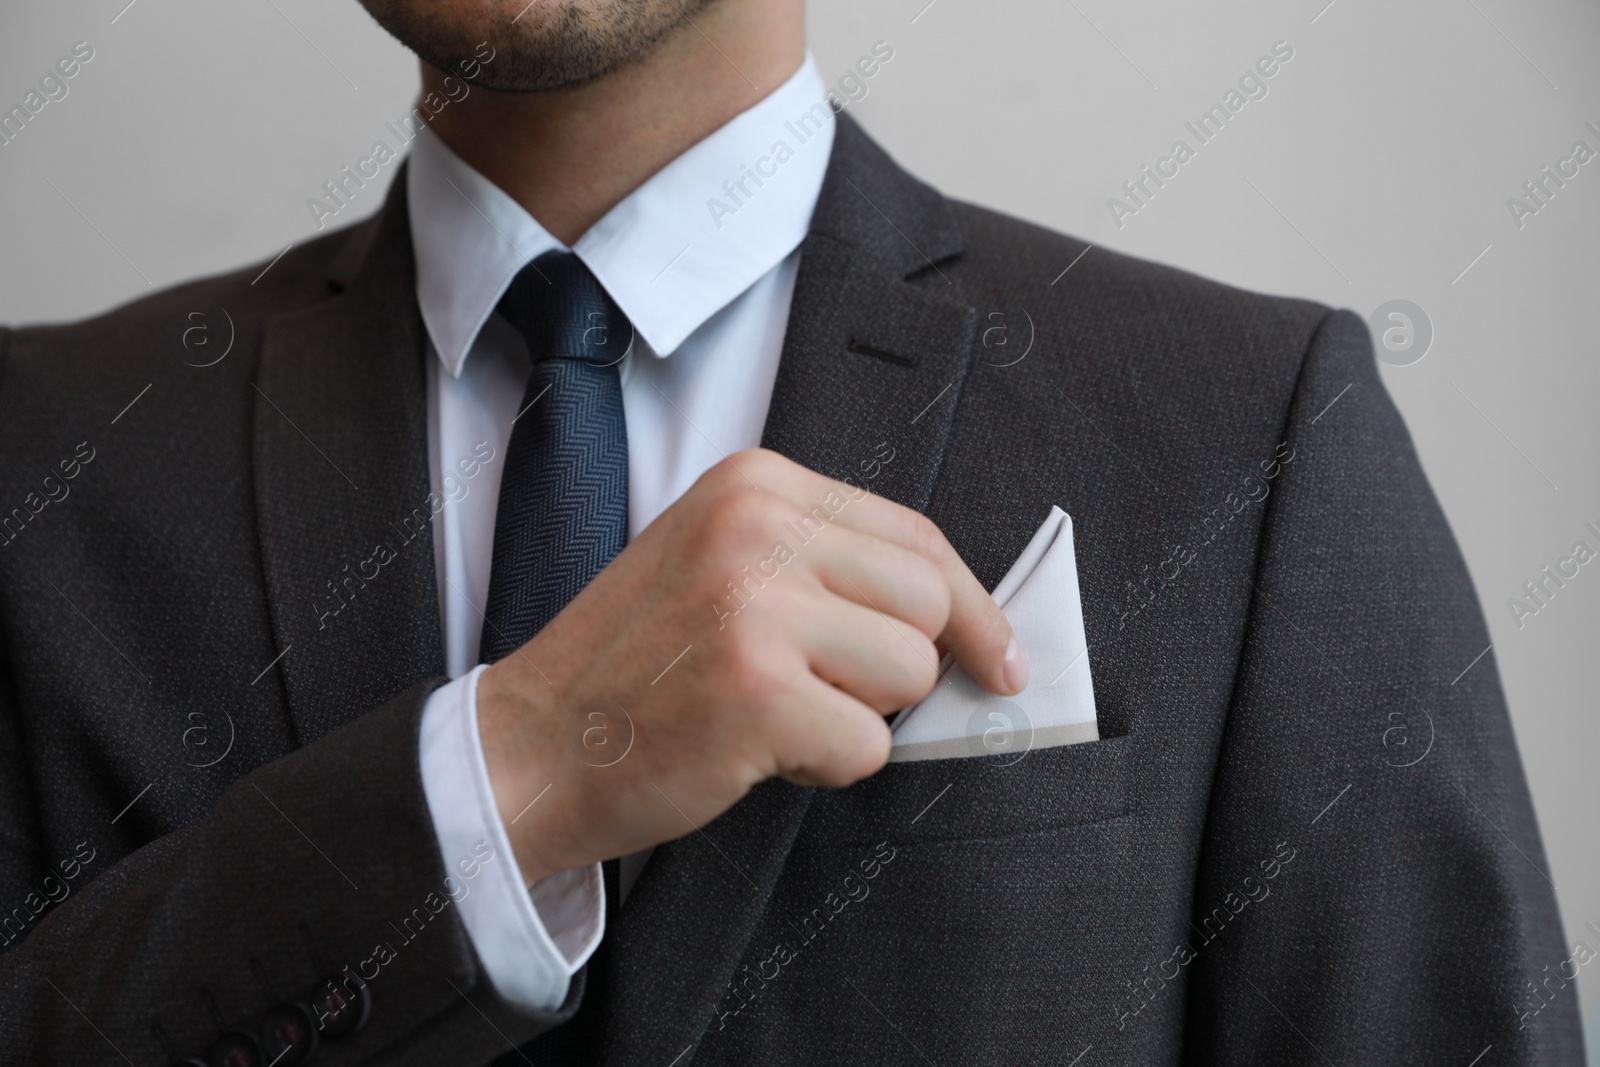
x,y
873,362
342,484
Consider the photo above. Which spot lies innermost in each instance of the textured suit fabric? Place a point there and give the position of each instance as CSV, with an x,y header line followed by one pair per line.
x,y
563,508
1247,868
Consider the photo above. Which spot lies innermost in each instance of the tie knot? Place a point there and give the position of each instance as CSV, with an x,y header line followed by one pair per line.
x,y
563,312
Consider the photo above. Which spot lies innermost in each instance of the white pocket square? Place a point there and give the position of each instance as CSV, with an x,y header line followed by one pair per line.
x,y
1039,595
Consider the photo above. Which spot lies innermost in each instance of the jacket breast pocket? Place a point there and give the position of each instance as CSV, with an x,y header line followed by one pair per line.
x,y
978,797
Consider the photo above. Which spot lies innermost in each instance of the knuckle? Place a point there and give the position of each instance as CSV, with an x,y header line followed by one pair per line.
x,y
867,756
730,471
746,670
938,598
753,463
920,670
908,672
737,519
925,537
756,455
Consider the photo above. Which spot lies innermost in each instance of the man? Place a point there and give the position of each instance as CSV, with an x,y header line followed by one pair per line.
x,y
281,809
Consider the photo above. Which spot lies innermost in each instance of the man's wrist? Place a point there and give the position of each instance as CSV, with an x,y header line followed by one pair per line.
x,y
521,772
530,936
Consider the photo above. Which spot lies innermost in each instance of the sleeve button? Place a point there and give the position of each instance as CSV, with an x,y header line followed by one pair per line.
x,y
288,1035
341,1011
234,1050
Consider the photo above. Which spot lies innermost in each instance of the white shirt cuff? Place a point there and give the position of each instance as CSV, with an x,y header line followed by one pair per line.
x,y
530,941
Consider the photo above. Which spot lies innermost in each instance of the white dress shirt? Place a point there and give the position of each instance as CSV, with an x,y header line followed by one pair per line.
x,y
702,260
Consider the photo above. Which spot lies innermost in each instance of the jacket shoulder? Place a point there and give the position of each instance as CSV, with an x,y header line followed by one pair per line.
x,y
176,323
1066,276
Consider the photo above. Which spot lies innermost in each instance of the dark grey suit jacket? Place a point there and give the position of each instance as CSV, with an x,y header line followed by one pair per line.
x,y
1305,836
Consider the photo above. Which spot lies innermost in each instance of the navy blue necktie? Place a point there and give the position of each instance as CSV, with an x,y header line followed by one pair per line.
x,y
563,512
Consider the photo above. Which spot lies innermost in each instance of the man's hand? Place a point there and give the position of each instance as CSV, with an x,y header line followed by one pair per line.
x,y
809,610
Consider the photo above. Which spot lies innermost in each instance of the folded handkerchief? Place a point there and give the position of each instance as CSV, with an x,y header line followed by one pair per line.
x,y
961,718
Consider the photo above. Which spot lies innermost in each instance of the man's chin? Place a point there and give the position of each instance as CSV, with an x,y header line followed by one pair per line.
x,y
539,46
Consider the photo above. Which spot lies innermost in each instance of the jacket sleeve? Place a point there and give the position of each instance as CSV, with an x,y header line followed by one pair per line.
x,y
322,865
1371,887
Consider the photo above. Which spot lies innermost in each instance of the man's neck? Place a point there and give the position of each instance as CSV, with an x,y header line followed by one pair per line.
x,y
568,156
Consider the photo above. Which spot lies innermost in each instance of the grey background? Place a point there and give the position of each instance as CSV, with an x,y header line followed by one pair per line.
x,y
1376,168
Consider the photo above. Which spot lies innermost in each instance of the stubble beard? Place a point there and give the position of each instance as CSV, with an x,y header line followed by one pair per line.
x,y
551,44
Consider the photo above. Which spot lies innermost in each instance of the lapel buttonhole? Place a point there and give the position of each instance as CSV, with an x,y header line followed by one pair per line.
x,y
883,354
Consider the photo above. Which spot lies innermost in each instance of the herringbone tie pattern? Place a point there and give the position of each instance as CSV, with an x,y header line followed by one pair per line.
x,y
563,511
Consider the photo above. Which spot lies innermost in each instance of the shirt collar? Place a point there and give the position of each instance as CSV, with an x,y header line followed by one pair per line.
x,y
672,253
